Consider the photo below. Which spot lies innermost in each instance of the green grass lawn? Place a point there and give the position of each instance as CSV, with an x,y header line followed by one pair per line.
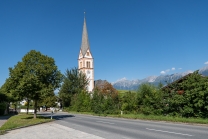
x,y
21,120
124,91
163,118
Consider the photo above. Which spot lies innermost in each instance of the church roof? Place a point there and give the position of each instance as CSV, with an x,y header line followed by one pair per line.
x,y
85,41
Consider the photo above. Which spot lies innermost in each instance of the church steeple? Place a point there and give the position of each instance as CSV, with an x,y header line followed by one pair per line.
x,y
85,41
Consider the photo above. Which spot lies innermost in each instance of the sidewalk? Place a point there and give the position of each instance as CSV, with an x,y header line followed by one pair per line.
x,y
48,131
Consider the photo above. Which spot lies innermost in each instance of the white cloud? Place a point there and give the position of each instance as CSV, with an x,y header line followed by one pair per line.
x,y
206,63
168,70
162,72
165,71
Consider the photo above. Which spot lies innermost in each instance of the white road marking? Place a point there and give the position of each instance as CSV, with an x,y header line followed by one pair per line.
x,y
169,132
105,122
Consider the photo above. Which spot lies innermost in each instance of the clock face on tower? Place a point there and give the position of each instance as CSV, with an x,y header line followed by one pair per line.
x,y
88,72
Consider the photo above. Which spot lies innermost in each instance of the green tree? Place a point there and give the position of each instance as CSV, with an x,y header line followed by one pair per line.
x,y
81,102
3,97
34,77
129,102
3,100
48,101
105,98
195,102
150,99
98,102
187,97
74,82
8,96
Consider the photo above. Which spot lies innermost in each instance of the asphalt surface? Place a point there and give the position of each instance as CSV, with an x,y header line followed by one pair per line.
x,y
77,126
113,128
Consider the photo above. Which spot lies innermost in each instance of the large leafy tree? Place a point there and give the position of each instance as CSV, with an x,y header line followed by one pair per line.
x,y
74,82
195,96
34,77
150,99
189,97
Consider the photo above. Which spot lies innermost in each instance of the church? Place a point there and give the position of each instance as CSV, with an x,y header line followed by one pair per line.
x,y
85,59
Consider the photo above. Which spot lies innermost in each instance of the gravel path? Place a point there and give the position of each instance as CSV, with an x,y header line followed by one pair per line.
x,y
48,131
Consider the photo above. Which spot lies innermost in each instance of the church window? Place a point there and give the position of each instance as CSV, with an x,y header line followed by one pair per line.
x,y
80,65
88,54
88,64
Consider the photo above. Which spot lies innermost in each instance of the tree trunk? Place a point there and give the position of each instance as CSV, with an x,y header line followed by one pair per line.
x,y
28,104
8,104
35,109
15,107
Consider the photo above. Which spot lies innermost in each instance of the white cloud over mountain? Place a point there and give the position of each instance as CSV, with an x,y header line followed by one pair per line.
x,y
168,70
206,63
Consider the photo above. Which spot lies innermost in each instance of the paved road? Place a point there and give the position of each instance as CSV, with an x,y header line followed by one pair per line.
x,y
111,128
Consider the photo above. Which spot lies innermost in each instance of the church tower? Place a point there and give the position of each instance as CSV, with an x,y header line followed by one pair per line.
x,y
85,60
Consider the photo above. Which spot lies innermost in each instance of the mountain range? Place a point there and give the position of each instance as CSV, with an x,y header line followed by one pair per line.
x,y
124,84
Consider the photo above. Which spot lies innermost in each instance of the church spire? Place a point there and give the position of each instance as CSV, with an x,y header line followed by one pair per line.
x,y
85,41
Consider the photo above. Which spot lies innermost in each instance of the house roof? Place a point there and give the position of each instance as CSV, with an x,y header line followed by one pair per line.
x,y
100,83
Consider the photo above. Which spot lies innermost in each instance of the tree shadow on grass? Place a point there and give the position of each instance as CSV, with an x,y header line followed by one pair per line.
x,y
27,117
38,117
5,117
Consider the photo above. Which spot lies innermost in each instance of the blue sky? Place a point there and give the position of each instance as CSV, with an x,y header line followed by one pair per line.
x,y
128,38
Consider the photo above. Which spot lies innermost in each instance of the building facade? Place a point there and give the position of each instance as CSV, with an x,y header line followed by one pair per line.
x,y
85,59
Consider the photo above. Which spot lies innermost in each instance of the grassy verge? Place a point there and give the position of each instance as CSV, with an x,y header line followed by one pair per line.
x,y
152,117
22,120
163,118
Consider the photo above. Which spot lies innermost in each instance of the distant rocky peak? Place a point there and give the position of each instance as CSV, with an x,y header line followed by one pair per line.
x,y
125,84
